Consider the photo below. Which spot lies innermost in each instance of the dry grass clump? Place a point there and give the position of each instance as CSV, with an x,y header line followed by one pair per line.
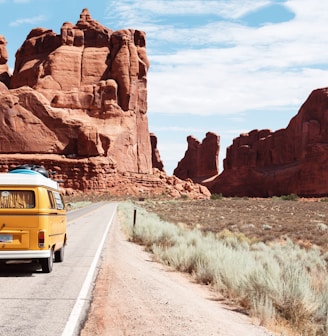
x,y
279,284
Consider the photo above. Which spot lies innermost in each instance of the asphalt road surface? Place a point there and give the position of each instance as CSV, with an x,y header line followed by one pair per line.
x,y
36,303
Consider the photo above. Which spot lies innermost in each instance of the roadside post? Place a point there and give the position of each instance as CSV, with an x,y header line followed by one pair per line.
x,y
134,217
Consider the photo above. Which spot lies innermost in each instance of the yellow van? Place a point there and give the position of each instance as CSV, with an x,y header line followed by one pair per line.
x,y
32,218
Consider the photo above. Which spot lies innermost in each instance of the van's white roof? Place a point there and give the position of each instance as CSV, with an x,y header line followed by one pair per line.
x,y
9,179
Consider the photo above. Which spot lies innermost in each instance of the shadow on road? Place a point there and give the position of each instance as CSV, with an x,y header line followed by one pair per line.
x,y
19,269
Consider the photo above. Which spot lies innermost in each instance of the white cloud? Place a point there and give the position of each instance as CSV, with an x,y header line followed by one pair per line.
x,y
213,89
273,66
126,10
28,21
228,9
159,18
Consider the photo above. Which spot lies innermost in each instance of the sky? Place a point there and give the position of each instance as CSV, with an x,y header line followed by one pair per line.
x,y
222,66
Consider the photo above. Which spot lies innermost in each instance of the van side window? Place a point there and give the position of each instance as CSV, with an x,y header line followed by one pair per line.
x,y
51,200
17,199
59,201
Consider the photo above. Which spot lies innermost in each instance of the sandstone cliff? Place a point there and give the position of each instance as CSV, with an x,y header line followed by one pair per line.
x,y
291,160
77,101
200,161
83,92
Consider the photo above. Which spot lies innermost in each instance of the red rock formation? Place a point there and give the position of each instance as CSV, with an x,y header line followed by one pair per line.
x,y
4,70
77,103
83,92
291,160
201,159
156,158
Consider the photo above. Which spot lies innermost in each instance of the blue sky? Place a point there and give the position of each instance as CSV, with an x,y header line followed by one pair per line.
x,y
225,66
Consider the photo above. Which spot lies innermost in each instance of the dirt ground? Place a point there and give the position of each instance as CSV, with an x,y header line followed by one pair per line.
x,y
134,296
304,221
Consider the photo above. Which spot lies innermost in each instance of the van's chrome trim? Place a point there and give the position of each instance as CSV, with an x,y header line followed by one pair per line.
x,y
29,254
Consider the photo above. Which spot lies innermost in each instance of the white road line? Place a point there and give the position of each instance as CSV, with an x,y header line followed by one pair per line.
x,y
83,295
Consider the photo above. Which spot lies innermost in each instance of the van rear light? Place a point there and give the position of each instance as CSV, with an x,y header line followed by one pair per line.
x,y
41,237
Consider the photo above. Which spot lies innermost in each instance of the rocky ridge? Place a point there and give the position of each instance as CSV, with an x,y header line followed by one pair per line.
x,y
292,160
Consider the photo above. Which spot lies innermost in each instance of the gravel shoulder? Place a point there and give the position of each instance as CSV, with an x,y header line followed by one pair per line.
x,y
135,296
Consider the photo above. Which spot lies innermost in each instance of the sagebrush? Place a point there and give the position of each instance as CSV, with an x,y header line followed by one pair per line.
x,y
277,282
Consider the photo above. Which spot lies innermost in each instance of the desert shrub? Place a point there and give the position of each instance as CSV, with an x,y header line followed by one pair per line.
x,y
290,197
216,196
322,227
149,229
237,239
184,197
272,282
262,307
181,256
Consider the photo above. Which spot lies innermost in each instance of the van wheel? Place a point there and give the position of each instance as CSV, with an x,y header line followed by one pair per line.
x,y
59,255
47,263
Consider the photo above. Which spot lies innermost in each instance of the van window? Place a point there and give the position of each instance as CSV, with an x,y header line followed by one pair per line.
x,y
51,200
59,201
17,199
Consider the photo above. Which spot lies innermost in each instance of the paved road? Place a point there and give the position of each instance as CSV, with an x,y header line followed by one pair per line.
x,y
35,303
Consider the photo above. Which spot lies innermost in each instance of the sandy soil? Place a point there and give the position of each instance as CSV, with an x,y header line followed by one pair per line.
x,y
135,296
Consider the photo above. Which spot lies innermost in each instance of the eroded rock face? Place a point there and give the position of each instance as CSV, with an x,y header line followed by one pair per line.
x,y
83,92
156,158
201,159
98,175
291,160
4,70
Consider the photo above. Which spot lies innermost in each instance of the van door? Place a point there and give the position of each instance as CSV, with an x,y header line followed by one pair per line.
x,y
19,218
57,219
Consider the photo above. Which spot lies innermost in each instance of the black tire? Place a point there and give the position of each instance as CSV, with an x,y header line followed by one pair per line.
x,y
47,263
59,255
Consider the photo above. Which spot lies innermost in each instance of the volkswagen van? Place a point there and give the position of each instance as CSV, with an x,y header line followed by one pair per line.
x,y
32,218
